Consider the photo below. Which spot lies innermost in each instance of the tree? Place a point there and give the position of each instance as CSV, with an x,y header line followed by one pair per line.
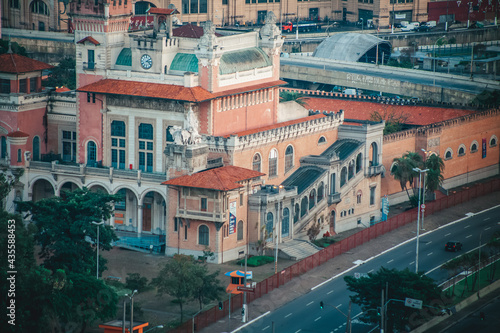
x,y
177,279
207,287
15,47
402,284
435,166
297,97
64,225
63,74
393,122
403,170
313,231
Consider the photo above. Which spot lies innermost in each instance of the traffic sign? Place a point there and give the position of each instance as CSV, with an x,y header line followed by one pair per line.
x,y
247,289
413,303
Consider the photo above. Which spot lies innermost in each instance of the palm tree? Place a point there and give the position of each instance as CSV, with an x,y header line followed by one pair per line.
x,y
435,177
297,97
403,170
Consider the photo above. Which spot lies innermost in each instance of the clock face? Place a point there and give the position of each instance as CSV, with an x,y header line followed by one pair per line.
x,y
146,61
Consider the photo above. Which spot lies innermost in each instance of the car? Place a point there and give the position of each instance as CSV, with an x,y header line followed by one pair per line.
x,y
408,28
453,246
424,28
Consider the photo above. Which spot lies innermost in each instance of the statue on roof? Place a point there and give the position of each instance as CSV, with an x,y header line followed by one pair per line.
x,y
188,135
270,29
208,40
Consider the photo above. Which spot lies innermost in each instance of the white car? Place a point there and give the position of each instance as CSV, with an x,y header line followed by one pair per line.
x,y
408,28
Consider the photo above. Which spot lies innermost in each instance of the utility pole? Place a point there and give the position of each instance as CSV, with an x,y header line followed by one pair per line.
x,y
244,314
382,312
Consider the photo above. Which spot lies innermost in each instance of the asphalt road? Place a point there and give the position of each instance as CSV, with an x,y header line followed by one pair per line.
x,y
474,323
304,314
392,73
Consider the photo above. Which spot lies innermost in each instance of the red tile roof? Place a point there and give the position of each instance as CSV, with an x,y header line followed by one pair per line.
x,y
15,63
163,11
88,39
18,134
256,87
417,115
147,89
62,89
278,125
225,178
190,31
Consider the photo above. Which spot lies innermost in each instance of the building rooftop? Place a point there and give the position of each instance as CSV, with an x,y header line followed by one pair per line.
x,y
303,177
15,63
343,148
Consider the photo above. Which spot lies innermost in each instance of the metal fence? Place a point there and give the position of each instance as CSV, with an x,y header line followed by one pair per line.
x,y
214,314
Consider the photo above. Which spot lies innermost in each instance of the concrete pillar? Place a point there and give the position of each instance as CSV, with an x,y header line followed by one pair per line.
x,y
139,219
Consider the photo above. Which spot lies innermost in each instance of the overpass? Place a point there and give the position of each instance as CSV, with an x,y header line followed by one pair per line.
x,y
307,71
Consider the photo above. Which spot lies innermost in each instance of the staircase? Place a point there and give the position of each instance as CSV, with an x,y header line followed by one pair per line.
x,y
296,249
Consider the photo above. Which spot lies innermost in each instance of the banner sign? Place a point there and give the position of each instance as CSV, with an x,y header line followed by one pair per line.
x,y
484,148
385,208
232,217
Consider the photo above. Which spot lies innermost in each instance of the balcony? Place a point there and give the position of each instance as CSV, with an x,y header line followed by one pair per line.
x,y
220,217
334,198
376,170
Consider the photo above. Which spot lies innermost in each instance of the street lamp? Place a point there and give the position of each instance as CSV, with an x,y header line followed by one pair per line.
x,y
131,297
420,171
430,152
98,224
434,57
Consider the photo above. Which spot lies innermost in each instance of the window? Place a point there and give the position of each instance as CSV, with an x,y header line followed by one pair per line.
x,y
332,183
14,3
176,224
373,154
359,196
146,147
473,146
4,147
194,6
33,84
288,158
203,235
285,222
19,155
23,85
321,190
351,169
493,141
372,195
241,199
36,149
90,97
461,150
448,155
5,86
91,59
312,199
39,7
168,135
256,162
91,153
273,163
240,231
343,176
69,146
321,140
359,162
118,144
185,232
203,204
269,224
303,207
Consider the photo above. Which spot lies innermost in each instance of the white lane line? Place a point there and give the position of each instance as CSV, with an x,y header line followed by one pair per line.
x,y
430,253
428,243
297,331
328,293
251,322
486,219
487,228
390,261
447,234
288,315
338,306
468,236
467,226
412,263
311,302
317,319
371,270
409,252
265,328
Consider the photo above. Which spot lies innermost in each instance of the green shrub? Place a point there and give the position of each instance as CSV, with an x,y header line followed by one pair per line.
x,y
324,242
135,281
256,261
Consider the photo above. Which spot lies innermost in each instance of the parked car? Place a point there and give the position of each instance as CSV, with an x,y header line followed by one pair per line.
x,y
453,246
424,28
408,28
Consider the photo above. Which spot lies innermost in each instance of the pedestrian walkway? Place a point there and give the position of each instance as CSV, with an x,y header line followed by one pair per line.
x,y
303,284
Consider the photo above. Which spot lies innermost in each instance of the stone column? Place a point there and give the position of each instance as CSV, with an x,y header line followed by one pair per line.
x,y
139,219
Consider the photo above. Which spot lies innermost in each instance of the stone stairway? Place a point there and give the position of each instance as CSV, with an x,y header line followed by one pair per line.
x,y
296,249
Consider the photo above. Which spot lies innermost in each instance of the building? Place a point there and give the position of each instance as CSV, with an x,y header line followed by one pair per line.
x,y
41,15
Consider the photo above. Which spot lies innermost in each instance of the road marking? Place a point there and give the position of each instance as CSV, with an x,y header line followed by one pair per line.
x,y
487,228
390,261
251,322
338,306
371,270
468,236
288,315
311,302
430,253
447,234
297,331
409,252
412,263
467,226
265,328
317,319
486,219
428,243
328,293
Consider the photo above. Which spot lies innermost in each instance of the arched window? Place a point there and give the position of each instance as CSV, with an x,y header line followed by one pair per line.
x,y
351,169
461,150
359,196
269,224
321,140
343,176
118,144
256,162
35,156
312,198
240,230
4,147
493,141
303,207
296,213
285,223
91,153
39,7
273,163
448,155
203,234
288,158
474,146
321,191
19,155
373,154
359,162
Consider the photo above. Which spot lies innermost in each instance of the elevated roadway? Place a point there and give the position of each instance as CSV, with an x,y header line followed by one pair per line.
x,y
429,86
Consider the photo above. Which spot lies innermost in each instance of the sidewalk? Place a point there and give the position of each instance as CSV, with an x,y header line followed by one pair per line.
x,y
303,284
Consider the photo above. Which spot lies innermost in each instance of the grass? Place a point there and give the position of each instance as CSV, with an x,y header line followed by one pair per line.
x,y
324,242
485,280
256,261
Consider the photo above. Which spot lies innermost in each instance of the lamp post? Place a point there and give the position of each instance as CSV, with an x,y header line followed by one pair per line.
x,y
420,171
98,224
393,16
124,314
434,58
425,177
131,297
479,266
